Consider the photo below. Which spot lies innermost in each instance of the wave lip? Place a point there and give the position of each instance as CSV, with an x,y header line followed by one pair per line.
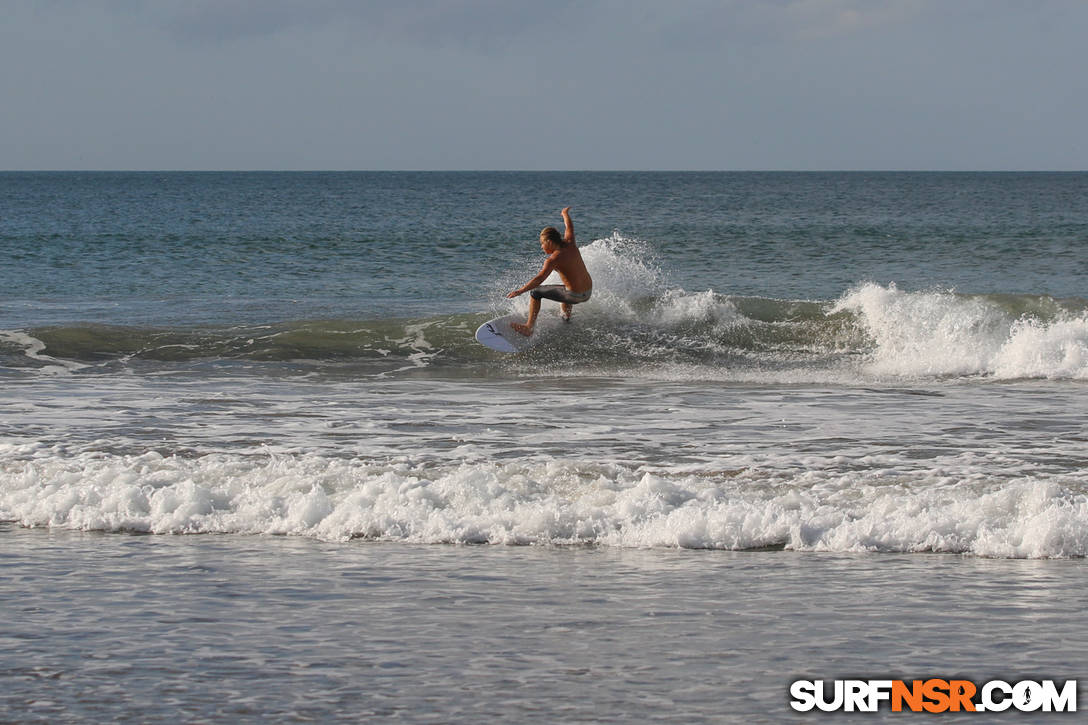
x,y
552,503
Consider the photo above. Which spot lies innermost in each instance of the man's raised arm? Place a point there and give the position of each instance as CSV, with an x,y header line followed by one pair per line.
x,y
568,233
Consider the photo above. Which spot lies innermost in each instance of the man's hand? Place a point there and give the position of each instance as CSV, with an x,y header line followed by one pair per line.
x,y
515,293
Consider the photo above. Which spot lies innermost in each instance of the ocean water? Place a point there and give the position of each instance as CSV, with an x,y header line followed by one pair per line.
x,y
795,400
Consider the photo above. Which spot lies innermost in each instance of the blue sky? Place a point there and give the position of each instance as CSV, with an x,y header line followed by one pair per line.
x,y
592,84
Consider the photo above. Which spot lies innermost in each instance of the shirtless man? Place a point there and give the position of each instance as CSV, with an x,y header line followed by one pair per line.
x,y
564,258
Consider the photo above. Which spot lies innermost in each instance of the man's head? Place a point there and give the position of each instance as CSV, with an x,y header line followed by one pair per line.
x,y
550,239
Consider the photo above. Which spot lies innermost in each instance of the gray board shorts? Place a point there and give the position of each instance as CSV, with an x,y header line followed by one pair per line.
x,y
559,293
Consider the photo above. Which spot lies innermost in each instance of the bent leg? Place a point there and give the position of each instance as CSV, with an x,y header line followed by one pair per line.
x,y
527,328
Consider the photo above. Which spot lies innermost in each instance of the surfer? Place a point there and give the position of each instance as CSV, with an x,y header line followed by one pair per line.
x,y
564,258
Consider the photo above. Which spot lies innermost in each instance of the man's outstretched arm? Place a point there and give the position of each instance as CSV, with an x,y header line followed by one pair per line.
x,y
545,272
568,233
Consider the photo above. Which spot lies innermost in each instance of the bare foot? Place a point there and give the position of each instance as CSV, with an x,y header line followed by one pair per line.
x,y
565,314
522,328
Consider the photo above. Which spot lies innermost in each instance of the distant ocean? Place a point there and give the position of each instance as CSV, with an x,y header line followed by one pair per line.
x,y
810,425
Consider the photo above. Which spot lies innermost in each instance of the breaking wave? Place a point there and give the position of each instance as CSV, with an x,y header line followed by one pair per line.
x,y
636,323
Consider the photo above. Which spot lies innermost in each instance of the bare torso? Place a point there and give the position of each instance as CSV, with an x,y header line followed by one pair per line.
x,y
567,261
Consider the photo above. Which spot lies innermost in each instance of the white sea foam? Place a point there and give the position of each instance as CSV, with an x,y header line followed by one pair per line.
x,y
1037,350
926,334
546,502
678,307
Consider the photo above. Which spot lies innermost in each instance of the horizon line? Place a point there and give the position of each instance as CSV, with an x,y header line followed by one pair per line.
x,y
543,171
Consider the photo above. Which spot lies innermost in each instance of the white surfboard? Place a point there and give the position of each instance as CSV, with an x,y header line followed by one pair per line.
x,y
498,335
